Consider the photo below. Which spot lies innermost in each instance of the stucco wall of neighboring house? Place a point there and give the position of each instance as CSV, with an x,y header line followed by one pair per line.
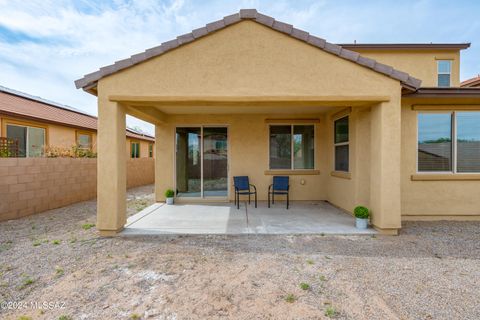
x,y
439,198
421,64
56,135
250,60
143,148
64,136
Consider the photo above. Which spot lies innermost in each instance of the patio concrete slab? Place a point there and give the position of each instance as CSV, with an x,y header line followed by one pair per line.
x,y
224,218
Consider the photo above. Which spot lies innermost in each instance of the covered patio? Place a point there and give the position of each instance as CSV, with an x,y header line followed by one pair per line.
x,y
304,217
226,103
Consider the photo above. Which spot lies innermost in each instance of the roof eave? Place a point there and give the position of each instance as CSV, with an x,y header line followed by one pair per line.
x,y
450,92
89,81
407,46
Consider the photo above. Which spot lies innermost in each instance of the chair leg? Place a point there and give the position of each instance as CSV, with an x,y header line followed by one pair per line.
x,y
269,199
255,199
238,200
288,200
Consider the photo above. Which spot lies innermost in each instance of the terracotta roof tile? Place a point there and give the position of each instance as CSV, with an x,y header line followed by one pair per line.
x,y
18,104
472,82
251,14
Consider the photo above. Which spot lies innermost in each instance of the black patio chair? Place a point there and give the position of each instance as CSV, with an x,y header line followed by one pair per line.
x,y
279,186
242,187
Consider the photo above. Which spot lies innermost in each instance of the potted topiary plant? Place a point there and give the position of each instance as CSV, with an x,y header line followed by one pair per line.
x,y
169,194
361,217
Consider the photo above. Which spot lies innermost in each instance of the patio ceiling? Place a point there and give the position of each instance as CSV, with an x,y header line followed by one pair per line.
x,y
158,107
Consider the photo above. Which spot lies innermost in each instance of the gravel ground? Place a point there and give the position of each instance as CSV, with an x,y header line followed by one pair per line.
x,y
430,271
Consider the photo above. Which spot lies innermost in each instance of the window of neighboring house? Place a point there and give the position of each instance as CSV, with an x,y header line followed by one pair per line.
x,y
292,147
135,149
444,71
31,140
150,150
341,144
449,142
84,141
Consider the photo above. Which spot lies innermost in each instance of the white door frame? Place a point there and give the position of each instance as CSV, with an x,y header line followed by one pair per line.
x,y
202,196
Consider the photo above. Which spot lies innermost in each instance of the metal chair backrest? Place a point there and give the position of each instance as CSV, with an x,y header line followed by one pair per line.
x,y
241,183
280,183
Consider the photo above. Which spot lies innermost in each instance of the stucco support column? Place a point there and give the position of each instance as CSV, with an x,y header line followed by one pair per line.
x,y
111,167
164,159
385,147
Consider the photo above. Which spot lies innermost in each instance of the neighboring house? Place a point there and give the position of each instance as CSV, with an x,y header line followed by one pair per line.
x,y
37,123
471,83
380,125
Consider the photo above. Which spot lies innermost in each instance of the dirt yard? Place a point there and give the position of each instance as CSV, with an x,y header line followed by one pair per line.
x,y
55,266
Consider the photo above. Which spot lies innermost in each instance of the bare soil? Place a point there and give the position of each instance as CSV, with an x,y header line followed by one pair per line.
x,y
54,265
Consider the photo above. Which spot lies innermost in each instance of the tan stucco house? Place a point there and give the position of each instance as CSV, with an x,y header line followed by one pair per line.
x,y
382,125
39,126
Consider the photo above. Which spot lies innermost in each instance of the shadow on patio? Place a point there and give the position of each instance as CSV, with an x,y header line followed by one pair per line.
x,y
224,218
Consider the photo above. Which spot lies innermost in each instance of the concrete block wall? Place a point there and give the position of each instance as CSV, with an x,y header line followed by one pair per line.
x,y
33,185
140,172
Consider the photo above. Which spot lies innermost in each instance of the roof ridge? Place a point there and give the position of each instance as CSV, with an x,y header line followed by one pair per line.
x,y
43,100
248,14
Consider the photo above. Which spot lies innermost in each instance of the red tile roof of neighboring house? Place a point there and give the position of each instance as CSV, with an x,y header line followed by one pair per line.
x,y
89,81
132,133
18,104
473,82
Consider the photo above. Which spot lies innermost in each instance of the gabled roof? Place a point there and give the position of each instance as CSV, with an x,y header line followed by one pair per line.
x,y
473,82
89,81
19,104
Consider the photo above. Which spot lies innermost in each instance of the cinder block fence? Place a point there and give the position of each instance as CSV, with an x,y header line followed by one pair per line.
x,y
33,185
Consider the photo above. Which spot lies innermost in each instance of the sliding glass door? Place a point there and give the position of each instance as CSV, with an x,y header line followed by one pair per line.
x,y
188,162
215,162
202,162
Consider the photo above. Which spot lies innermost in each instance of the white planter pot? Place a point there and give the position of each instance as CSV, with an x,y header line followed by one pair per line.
x,y
169,200
361,223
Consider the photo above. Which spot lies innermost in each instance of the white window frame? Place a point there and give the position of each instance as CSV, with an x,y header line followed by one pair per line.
x,y
27,142
453,117
292,146
449,73
347,143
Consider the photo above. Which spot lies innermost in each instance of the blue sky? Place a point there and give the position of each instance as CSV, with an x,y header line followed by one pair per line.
x,y
46,45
